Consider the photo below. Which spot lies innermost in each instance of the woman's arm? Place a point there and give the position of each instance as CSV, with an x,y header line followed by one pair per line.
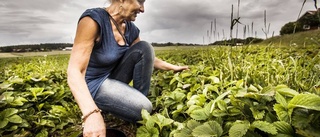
x,y
86,35
160,64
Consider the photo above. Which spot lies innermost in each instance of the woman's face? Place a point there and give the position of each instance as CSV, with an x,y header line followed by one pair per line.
x,y
132,8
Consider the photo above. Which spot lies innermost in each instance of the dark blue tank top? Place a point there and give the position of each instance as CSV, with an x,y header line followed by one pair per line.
x,y
106,53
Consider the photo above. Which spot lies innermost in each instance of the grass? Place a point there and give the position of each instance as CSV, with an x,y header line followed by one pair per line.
x,y
31,54
299,39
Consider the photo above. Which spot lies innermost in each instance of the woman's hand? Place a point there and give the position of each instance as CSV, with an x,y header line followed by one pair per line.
x,y
94,126
180,68
162,65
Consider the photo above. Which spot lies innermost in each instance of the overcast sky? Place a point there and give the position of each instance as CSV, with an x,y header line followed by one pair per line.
x,y
184,21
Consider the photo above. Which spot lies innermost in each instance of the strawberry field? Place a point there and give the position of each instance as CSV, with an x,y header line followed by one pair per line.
x,y
229,91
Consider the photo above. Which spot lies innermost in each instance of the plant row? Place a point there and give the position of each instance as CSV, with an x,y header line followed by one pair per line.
x,y
243,91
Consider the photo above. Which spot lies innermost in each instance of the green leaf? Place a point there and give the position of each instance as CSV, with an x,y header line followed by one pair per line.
x,y
147,132
252,134
46,122
47,93
307,101
192,124
3,123
43,78
197,100
173,80
232,111
214,79
162,121
285,91
24,123
12,128
219,113
5,85
281,135
58,110
211,128
9,112
185,75
222,105
284,128
183,133
7,97
43,133
192,108
36,92
208,88
15,119
220,97
258,115
281,100
179,110
16,80
18,101
239,83
199,114
239,129
186,131
309,132
301,118
282,113
179,125
148,120
253,89
145,115
265,126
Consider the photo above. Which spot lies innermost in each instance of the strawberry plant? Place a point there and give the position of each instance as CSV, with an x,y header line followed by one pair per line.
x,y
35,99
228,91
243,91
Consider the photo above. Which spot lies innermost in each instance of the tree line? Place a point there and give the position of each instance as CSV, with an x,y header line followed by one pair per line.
x,y
35,47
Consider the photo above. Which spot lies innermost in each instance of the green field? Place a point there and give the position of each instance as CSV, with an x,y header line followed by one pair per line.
x,y
229,91
60,52
31,54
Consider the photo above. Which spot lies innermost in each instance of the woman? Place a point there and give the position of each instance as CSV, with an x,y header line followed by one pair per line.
x,y
107,55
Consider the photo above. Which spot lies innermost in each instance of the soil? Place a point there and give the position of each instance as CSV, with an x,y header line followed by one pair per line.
x,y
129,129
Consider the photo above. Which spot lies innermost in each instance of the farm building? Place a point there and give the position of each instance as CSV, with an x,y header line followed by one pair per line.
x,y
310,20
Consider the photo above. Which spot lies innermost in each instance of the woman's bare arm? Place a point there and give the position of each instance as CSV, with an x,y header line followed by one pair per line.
x,y
86,35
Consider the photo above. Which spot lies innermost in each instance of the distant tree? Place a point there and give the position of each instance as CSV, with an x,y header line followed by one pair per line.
x,y
252,40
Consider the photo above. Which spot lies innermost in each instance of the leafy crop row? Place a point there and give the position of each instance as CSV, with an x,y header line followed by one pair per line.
x,y
246,91
35,99
238,91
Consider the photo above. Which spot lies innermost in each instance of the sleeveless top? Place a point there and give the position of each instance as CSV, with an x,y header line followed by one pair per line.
x,y
106,53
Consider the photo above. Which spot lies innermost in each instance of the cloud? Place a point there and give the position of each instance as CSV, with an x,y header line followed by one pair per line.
x,y
40,21
190,21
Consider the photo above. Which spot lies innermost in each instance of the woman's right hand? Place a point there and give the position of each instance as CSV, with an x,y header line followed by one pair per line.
x,y
94,126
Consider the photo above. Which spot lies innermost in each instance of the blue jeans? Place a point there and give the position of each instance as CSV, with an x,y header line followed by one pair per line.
x,y
120,99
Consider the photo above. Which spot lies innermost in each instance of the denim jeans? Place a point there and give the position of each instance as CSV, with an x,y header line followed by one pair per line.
x,y
120,99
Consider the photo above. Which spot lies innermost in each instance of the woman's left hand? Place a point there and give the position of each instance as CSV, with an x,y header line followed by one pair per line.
x,y
160,64
180,68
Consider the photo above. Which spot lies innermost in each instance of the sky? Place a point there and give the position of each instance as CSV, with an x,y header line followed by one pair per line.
x,y
176,21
